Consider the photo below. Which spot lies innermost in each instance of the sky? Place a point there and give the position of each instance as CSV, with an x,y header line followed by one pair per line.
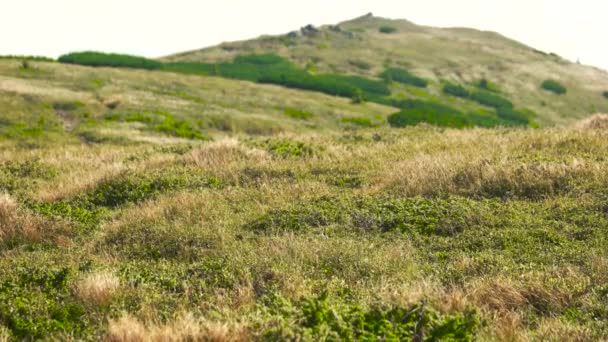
x,y
155,28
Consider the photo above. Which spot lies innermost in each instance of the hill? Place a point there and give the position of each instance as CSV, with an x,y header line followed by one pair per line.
x,y
458,55
167,200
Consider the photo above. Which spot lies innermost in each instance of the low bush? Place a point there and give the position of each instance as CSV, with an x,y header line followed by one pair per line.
x,y
417,111
456,90
554,86
403,76
35,303
91,58
284,148
387,29
322,319
605,94
512,115
490,99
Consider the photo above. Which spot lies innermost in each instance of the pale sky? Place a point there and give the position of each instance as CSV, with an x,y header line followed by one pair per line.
x,y
154,28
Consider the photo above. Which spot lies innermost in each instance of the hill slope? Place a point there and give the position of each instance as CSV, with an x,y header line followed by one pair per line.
x,y
458,55
146,205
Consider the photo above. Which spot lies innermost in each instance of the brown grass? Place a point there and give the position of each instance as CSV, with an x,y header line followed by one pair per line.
x,y
19,225
98,288
184,328
597,121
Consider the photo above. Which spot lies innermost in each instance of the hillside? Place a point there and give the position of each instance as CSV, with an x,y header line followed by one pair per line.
x,y
459,55
242,196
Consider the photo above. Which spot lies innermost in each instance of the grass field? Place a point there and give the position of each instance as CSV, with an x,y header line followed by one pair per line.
x,y
145,205
396,233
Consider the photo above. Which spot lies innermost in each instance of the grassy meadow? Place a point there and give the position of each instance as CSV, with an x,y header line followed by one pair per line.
x,y
160,205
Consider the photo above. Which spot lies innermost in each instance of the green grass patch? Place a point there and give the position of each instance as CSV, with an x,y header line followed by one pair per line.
x,y
162,122
407,215
358,121
554,87
298,114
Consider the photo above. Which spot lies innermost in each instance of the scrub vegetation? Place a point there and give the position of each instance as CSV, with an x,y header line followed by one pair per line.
x,y
221,201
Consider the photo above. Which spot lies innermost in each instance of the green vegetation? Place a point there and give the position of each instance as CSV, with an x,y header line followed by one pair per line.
x,y
387,29
416,111
161,122
490,99
302,216
554,86
456,90
487,85
98,59
403,76
298,114
324,320
605,94
27,58
357,121
274,69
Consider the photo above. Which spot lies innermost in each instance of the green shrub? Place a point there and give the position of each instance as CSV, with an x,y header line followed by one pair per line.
x,y
512,115
322,319
554,86
273,69
456,90
284,148
490,99
605,94
416,111
403,76
92,58
387,29
35,303
180,129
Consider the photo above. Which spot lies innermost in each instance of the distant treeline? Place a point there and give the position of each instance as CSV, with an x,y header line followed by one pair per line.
x,y
274,69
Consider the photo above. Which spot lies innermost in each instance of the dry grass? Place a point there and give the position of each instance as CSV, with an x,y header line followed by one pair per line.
x,y
98,288
184,328
19,225
597,121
